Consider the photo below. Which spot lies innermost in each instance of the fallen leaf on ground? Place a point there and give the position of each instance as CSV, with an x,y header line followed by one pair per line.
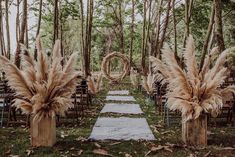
x,y
159,147
222,131
224,148
97,145
8,152
80,152
115,143
127,155
192,155
159,126
29,152
101,152
166,132
207,154
72,148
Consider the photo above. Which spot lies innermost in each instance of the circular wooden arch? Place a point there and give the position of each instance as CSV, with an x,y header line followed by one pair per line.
x,y
124,60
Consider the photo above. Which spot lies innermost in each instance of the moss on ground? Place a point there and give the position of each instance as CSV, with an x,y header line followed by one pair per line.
x,y
72,139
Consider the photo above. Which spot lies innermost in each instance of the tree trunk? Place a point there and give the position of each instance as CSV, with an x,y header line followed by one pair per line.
x,y
82,42
132,30
188,12
39,26
56,22
87,45
194,132
22,32
2,43
26,35
175,30
43,133
8,31
219,25
143,54
122,46
18,21
208,35
163,35
90,31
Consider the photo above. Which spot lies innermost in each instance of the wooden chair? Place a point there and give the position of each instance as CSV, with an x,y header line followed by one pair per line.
x,y
2,102
80,100
162,98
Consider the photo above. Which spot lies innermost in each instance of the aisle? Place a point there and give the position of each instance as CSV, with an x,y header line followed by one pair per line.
x,y
122,127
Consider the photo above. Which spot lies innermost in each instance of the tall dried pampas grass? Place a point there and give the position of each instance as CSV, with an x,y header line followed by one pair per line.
x,y
134,77
190,90
148,83
42,87
94,83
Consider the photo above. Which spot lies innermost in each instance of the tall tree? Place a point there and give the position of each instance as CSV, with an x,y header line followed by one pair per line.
x,y
143,54
208,36
132,30
188,12
157,28
219,25
17,19
38,26
175,30
86,40
22,33
56,21
121,29
165,25
82,42
7,30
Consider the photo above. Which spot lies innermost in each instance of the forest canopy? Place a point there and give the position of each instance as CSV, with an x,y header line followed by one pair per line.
x,y
133,27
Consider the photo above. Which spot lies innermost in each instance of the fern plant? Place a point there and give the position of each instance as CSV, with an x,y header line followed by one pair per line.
x,y
191,90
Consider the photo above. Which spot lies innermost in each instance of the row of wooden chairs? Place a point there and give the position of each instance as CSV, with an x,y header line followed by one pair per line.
x,y
81,100
9,112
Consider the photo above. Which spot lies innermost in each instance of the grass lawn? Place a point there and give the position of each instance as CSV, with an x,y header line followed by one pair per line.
x,y
73,140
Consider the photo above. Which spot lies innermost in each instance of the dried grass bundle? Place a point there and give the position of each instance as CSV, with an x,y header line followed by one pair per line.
x,y
94,83
134,77
189,90
42,87
148,83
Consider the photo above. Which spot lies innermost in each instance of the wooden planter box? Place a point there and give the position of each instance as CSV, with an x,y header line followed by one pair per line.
x,y
43,133
194,132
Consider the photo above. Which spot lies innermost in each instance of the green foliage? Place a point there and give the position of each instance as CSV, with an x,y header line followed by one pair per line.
x,y
105,25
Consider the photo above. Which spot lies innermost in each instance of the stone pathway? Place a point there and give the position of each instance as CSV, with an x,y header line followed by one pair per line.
x,y
121,128
118,92
122,108
120,98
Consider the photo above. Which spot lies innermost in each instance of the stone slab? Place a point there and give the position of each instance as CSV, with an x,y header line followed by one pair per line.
x,y
120,98
118,92
122,128
122,108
